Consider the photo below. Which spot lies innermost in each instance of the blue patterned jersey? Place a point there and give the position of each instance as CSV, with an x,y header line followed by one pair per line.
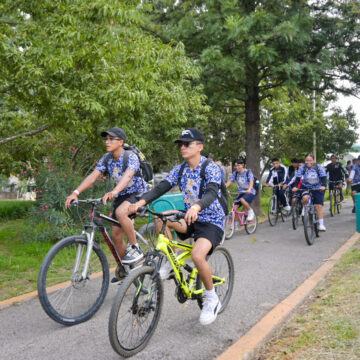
x,y
115,169
190,187
311,176
355,174
243,180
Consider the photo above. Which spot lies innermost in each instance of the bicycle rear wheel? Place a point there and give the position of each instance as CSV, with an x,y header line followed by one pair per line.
x,y
222,266
64,295
272,211
309,229
135,313
250,226
229,226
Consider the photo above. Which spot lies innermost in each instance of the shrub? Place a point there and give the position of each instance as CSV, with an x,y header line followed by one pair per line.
x,y
14,209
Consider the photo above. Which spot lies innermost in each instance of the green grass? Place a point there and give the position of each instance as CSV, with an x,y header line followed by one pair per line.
x,y
14,209
327,326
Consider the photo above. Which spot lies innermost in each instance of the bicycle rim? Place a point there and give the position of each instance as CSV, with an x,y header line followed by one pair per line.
x,y
309,227
64,295
338,203
273,218
250,226
229,226
221,266
135,313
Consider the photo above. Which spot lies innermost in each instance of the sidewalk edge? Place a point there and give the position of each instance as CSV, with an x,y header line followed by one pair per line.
x,y
247,345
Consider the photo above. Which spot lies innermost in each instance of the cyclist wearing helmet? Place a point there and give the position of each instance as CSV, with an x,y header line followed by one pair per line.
x,y
313,177
245,182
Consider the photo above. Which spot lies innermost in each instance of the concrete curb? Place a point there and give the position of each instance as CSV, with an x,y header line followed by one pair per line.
x,y
247,346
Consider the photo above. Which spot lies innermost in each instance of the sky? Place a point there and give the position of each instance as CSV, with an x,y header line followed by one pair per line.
x,y
345,102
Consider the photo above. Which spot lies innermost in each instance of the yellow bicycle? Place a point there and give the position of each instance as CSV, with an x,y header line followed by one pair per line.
x,y
137,306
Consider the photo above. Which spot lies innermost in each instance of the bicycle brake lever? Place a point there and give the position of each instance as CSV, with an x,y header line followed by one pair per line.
x,y
142,210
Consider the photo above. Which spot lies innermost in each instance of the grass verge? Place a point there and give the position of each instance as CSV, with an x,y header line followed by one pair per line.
x,y
327,325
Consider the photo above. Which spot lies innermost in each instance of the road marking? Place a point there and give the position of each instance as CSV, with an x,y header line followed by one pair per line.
x,y
21,298
246,347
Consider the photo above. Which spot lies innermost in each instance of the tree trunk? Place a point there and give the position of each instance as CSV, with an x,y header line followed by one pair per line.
x,y
252,138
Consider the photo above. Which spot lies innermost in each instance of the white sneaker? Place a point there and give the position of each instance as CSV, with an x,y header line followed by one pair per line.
x,y
302,211
251,215
165,270
210,310
287,208
322,227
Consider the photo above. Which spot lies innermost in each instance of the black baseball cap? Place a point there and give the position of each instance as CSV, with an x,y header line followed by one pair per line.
x,y
191,134
358,157
115,132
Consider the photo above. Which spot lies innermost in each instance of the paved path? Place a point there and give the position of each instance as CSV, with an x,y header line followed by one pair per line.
x,y
266,271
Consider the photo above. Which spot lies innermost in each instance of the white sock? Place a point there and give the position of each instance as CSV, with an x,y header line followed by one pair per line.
x,y
321,221
210,294
137,245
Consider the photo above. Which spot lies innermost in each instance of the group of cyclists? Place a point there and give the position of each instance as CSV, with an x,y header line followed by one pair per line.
x,y
201,189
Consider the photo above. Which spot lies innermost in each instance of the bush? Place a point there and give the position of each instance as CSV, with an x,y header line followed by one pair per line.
x,y
55,179
15,209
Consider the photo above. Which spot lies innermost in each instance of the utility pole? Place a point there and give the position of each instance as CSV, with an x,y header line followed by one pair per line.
x,y
314,117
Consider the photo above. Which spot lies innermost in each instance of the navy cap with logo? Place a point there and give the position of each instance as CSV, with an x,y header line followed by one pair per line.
x,y
115,132
191,134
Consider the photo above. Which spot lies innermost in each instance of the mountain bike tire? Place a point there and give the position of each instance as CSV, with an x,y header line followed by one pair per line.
x,y
229,226
295,216
273,218
332,203
64,296
131,309
338,202
251,226
222,265
309,230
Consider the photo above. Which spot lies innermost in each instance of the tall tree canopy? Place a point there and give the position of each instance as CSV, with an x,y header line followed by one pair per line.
x,y
248,48
70,68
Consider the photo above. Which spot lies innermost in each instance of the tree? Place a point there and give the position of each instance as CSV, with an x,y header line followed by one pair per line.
x,y
69,69
248,48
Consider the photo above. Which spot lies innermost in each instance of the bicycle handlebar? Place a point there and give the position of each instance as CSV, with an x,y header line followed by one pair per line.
x,y
176,215
87,201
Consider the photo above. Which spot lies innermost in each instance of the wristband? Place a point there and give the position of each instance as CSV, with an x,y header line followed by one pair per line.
x,y
76,191
196,208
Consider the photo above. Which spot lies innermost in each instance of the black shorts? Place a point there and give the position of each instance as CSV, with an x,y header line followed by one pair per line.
x,y
355,187
208,231
131,198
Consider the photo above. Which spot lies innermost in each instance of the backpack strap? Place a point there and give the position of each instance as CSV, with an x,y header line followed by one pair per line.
x,y
202,175
180,173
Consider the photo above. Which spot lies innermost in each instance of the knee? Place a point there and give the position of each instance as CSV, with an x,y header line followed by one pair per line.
x,y
197,257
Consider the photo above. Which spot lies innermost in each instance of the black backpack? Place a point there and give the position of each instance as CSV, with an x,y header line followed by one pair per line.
x,y
145,171
256,181
223,199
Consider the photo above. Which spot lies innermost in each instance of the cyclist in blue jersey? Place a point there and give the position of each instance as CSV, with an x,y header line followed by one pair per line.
x,y
245,182
355,180
205,217
348,168
277,176
313,178
128,185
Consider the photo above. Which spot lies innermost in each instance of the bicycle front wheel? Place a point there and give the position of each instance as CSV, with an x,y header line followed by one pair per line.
x,y
64,294
332,203
295,216
135,312
309,229
222,267
229,226
250,226
272,211
338,202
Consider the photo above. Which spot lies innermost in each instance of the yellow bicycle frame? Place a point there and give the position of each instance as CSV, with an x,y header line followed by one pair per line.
x,y
177,261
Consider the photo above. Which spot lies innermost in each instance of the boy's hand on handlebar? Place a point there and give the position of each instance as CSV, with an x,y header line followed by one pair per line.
x,y
285,186
70,199
267,185
322,188
192,214
109,196
295,189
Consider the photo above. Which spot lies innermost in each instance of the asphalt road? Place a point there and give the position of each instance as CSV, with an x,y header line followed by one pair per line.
x,y
269,265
